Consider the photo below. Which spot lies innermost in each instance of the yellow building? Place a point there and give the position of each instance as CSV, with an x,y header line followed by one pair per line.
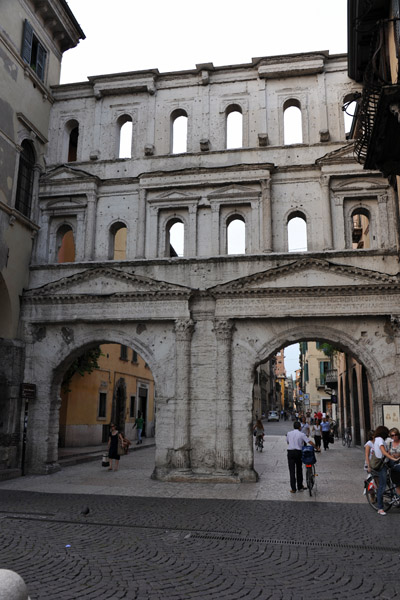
x,y
115,392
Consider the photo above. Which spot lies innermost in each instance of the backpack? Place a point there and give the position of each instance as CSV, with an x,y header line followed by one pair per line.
x,y
308,455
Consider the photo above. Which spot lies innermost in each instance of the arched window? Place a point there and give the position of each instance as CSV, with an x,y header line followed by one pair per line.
x,y
65,244
118,236
179,125
23,199
360,234
349,110
72,130
297,233
124,125
175,242
236,235
292,123
234,127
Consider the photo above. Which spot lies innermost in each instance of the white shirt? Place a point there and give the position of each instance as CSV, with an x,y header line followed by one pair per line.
x,y
378,442
296,439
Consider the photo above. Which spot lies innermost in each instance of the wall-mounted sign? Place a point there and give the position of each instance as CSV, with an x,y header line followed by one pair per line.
x,y
391,415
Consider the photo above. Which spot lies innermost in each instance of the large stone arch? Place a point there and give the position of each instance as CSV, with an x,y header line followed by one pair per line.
x,y
256,340
153,341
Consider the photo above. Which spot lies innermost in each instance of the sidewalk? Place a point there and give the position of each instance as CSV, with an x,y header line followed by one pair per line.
x,y
340,477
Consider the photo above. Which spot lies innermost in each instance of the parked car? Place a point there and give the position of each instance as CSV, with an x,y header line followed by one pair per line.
x,y
273,415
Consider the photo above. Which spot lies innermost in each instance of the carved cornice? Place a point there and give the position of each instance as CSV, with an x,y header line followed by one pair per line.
x,y
274,274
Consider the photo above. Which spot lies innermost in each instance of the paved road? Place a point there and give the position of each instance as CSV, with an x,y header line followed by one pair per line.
x,y
148,540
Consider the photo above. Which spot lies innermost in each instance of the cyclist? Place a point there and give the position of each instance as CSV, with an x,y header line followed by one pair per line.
x,y
259,431
296,440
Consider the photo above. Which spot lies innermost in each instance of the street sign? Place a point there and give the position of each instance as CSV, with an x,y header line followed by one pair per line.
x,y
28,391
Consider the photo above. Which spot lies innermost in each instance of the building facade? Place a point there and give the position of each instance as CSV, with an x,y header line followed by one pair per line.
x,y
33,37
201,317
115,392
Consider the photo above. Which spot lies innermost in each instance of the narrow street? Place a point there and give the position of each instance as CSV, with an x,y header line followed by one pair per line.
x,y
151,540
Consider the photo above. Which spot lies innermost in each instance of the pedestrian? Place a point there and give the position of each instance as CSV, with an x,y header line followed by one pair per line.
x,y
394,451
326,430
319,415
305,427
380,453
317,434
368,451
113,440
295,440
139,422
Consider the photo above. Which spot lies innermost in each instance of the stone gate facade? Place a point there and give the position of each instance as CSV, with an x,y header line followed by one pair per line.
x,y
204,321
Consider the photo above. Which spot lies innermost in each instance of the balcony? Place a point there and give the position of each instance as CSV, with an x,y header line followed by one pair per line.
x,y
331,376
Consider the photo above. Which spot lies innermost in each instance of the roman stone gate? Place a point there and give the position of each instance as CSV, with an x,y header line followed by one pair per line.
x,y
203,315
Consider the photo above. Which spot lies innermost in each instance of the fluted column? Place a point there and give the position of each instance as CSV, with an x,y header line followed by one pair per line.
x,y
326,212
183,337
223,454
266,239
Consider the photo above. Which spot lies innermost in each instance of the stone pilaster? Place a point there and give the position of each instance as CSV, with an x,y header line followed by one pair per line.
x,y
266,239
223,449
383,222
183,336
90,226
327,214
141,224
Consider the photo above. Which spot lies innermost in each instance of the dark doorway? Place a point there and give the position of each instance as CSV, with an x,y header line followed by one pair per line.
x,y
142,406
120,405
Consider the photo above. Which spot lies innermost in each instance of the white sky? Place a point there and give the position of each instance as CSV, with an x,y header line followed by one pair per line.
x,y
173,35
130,35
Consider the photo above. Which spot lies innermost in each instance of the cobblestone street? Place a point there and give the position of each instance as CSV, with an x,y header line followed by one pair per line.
x,y
148,547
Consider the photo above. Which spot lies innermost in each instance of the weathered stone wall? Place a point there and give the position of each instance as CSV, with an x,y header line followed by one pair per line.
x,y
203,322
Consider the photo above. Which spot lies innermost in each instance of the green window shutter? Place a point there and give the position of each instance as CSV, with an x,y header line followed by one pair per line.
x,y
40,62
27,42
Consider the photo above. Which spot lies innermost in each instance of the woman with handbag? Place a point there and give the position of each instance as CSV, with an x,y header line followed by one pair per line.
x,y
377,462
115,447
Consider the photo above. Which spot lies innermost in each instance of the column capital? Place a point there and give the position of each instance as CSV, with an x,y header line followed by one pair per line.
x,y
223,329
325,180
184,329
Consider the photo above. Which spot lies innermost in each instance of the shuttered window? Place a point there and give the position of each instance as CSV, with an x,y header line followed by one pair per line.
x,y
33,52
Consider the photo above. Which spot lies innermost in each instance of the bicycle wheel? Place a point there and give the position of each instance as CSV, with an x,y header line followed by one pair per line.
x,y
349,440
372,496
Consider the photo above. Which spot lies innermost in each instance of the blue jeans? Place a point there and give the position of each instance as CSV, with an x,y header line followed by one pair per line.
x,y
381,486
139,434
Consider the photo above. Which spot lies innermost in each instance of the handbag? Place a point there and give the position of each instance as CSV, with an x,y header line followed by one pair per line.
x,y
105,461
376,463
121,449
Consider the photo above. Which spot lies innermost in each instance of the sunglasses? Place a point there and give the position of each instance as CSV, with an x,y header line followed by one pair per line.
x,y
394,434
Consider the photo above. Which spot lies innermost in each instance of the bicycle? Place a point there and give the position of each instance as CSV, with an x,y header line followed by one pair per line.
x,y
259,443
347,437
309,460
390,496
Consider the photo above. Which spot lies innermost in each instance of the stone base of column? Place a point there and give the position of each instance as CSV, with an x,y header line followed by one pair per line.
x,y
44,469
191,476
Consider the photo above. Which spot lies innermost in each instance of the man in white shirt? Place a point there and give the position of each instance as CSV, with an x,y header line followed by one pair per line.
x,y
296,440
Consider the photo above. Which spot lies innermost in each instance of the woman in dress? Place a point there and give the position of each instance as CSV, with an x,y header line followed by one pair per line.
x,y
113,439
